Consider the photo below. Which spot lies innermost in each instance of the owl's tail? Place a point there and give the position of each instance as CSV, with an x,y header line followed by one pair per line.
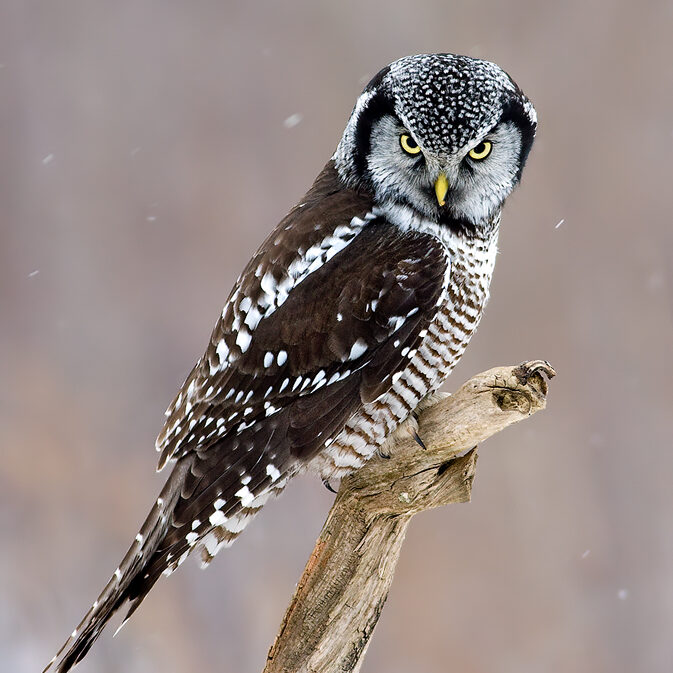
x,y
124,583
206,503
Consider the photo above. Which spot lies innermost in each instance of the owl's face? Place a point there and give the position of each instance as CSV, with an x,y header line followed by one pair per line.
x,y
445,135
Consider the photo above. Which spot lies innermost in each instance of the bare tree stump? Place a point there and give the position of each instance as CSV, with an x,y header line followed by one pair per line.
x,y
341,593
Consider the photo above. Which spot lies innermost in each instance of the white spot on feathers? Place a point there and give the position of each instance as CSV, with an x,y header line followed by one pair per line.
x,y
268,359
357,349
245,496
222,351
237,523
273,472
282,358
268,283
217,518
243,339
252,318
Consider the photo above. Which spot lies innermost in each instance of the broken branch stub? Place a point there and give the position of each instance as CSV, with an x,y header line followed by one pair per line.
x,y
341,593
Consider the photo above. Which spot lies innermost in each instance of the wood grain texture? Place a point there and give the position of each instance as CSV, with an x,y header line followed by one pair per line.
x,y
344,586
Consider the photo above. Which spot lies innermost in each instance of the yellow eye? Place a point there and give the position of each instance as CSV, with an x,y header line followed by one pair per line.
x,y
481,151
409,145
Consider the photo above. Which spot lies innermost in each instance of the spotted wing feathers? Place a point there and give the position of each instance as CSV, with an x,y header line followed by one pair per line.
x,y
319,323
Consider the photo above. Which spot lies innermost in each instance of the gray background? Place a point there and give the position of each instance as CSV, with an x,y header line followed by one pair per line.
x,y
143,157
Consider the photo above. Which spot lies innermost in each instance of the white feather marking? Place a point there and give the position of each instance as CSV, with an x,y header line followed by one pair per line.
x,y
252,318
217,518
243,339
268,284
357,349
261,499
212,544
222,351
281,358
273,472
245,496
268,359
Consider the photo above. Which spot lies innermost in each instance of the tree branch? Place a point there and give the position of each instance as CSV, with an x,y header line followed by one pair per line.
x,y
345,584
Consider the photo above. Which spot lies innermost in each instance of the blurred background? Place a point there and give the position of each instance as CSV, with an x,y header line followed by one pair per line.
x,y
134,137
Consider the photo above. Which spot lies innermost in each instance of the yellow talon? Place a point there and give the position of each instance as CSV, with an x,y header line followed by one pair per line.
x,y
441,188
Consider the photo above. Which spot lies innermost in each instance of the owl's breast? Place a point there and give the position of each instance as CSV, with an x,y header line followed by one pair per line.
x,y
443,342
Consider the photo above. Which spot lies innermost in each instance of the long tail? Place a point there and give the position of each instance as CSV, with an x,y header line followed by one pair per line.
x,y
120,587
205,505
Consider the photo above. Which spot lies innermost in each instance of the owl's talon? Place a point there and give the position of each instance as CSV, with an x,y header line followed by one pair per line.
x,y
327,485
527,369
419,441
383,454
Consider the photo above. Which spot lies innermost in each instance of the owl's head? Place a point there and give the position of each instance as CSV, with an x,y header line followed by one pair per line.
x,y
445,135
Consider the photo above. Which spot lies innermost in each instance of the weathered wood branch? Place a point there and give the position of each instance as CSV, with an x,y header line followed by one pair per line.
x,y
345,584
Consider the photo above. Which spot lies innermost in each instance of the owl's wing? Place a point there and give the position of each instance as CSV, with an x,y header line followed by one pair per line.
x,y
334,342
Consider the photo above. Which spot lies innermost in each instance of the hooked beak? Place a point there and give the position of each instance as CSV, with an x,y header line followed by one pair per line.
x,y
441,188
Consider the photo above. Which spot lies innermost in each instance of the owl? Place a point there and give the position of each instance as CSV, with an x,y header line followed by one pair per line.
x,y
352,312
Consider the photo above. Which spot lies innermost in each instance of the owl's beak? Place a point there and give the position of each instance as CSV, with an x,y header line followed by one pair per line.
x,y
441,188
